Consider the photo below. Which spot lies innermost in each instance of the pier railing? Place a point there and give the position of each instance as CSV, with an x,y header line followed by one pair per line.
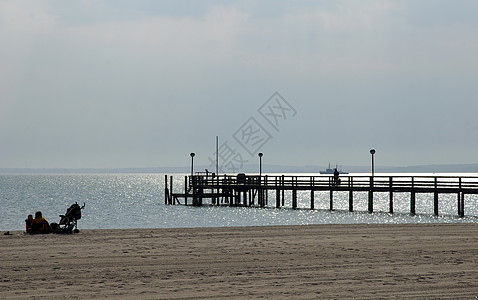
x,y
451,184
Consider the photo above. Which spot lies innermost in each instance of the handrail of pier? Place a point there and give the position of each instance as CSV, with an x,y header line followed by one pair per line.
x,y
326,181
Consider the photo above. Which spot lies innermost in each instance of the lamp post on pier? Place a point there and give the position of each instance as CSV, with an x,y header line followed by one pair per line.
x,y
192,162
261,196
260,163
372,151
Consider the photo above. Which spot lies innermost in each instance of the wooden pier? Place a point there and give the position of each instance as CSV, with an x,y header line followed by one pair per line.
x,y
253,190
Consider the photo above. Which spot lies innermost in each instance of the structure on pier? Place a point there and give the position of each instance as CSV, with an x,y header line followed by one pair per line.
x,y
253,190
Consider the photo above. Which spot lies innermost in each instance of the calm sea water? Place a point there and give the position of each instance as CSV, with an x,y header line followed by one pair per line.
x,y
137,201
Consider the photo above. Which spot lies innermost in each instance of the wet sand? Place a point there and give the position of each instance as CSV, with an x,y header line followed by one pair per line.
x,y
279,262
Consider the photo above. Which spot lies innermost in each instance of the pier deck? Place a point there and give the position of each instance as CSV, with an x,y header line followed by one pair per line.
x,y
244,190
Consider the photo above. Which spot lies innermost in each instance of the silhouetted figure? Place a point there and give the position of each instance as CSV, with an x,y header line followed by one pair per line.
x,y
28,224
336,177
40,224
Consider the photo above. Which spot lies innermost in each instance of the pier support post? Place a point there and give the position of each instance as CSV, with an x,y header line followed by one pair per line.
x,y
201,195
294,199
283,197
462,205
264,192
370,196
166,190
277,198
390,186
213,191
259,197
331,199
459,197
283,191
277,182
312,199
435,198
412,199
237,198
171,200
461,201
312,192
458,203
185,190
412,203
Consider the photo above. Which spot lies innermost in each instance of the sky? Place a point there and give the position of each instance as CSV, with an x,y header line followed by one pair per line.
x,y
117,84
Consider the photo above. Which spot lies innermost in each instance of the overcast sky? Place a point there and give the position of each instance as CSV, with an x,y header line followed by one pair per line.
x,y
144,83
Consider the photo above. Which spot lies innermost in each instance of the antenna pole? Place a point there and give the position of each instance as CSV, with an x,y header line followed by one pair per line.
x,y
217,155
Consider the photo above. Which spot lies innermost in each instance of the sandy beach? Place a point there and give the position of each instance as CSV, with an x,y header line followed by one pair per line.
x,y
280,262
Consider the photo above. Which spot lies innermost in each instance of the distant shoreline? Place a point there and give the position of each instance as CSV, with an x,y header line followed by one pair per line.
x,y
451,168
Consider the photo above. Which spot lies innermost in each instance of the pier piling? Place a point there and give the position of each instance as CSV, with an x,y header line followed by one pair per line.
x,y
331,204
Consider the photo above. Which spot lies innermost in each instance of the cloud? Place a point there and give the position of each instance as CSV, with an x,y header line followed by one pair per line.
x,y
109,74
22,24
28,17
346,15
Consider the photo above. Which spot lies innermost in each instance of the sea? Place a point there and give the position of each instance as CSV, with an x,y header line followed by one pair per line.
x,y
127,201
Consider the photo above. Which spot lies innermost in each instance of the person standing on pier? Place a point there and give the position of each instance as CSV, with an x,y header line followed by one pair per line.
x,y
336,177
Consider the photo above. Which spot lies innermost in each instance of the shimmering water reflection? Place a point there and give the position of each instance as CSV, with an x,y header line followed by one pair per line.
x,y
137,201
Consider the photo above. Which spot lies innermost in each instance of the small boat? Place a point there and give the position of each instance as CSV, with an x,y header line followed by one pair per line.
x,y
331,171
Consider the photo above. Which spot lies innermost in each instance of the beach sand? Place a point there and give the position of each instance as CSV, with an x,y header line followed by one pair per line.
x,y
279,262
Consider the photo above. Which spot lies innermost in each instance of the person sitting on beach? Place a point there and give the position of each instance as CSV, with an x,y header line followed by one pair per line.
x,y
40,224
28,223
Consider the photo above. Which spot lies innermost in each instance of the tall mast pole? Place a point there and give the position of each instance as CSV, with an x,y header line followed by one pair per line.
x,y
217,155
